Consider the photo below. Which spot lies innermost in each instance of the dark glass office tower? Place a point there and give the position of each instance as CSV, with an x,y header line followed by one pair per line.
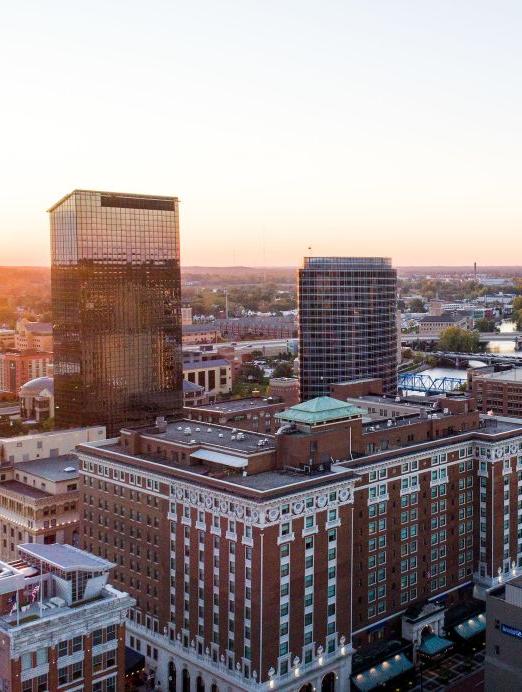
x,y
347,322
116,309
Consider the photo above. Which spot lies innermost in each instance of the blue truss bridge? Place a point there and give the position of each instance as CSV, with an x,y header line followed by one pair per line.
x,y
417,382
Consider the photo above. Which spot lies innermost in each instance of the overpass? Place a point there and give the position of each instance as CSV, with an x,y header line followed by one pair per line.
x,y
484,338
462,359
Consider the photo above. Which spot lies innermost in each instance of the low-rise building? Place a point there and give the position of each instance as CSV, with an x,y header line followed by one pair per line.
x,y
500,392
13,450
186,316
62,624
37,399
18,367
193,394
503,662
253,413
284,388
7,338
38,503
431,326
33,336
214,375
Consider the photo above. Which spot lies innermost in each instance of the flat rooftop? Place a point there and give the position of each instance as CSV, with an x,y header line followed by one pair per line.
x,y
271,480
65,557
514,375
51,468
234,405
24,489
500,424
190,433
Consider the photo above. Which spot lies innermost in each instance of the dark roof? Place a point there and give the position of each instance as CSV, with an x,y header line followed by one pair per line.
x,y
192,387
449,319
201,365
51,468
235,405
39,327
24,489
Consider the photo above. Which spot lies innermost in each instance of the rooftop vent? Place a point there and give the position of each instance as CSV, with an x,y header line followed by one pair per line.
x,y
161,424
69,469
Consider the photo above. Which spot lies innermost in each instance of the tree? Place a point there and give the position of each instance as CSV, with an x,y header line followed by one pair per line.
x,y
459,340
485,325
283,369
417,305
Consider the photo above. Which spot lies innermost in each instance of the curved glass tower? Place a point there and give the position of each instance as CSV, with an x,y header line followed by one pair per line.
x,y
347,322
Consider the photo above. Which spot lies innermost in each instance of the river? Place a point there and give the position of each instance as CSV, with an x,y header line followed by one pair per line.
x,y
506,347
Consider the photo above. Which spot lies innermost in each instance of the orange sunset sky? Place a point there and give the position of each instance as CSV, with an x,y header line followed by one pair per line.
x,y
383,127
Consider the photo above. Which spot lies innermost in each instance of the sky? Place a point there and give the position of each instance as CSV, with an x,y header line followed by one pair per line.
x,y
368,127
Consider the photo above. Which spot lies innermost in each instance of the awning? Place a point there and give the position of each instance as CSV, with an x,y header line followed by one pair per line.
x,y
470,628
381,673
433,645
220,458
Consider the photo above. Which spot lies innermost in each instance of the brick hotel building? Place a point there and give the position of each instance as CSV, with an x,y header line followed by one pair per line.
x,y
263,561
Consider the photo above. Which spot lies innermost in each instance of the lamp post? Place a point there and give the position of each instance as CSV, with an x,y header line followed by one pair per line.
x,y
419,659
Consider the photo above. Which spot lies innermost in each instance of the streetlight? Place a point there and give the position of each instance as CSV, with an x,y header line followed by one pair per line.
x,y
419,659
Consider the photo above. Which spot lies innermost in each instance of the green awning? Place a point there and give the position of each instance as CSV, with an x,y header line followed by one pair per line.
x,y
433,645
381,673
469,628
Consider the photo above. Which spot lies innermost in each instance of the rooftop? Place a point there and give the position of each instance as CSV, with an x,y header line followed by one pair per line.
x,y
104,192
441,318
191,433
65,557
513,375
202,365
239,404
39,327
323,409
24,489
192,387
52,468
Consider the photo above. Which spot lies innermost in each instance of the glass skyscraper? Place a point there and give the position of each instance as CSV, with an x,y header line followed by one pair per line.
x,y
347,322
116,302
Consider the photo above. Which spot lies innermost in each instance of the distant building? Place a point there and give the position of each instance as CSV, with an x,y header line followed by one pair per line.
x,y
37,399
214,375
347,322
432,326
500,392
17,368
254,413
33,336
193,394
436,307
14,450
7,339
39,503
503,662
186,316
200,334
285,388
115,280
62,624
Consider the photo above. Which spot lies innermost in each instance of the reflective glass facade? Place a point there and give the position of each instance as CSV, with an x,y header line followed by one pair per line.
x,y
116,309
347,322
